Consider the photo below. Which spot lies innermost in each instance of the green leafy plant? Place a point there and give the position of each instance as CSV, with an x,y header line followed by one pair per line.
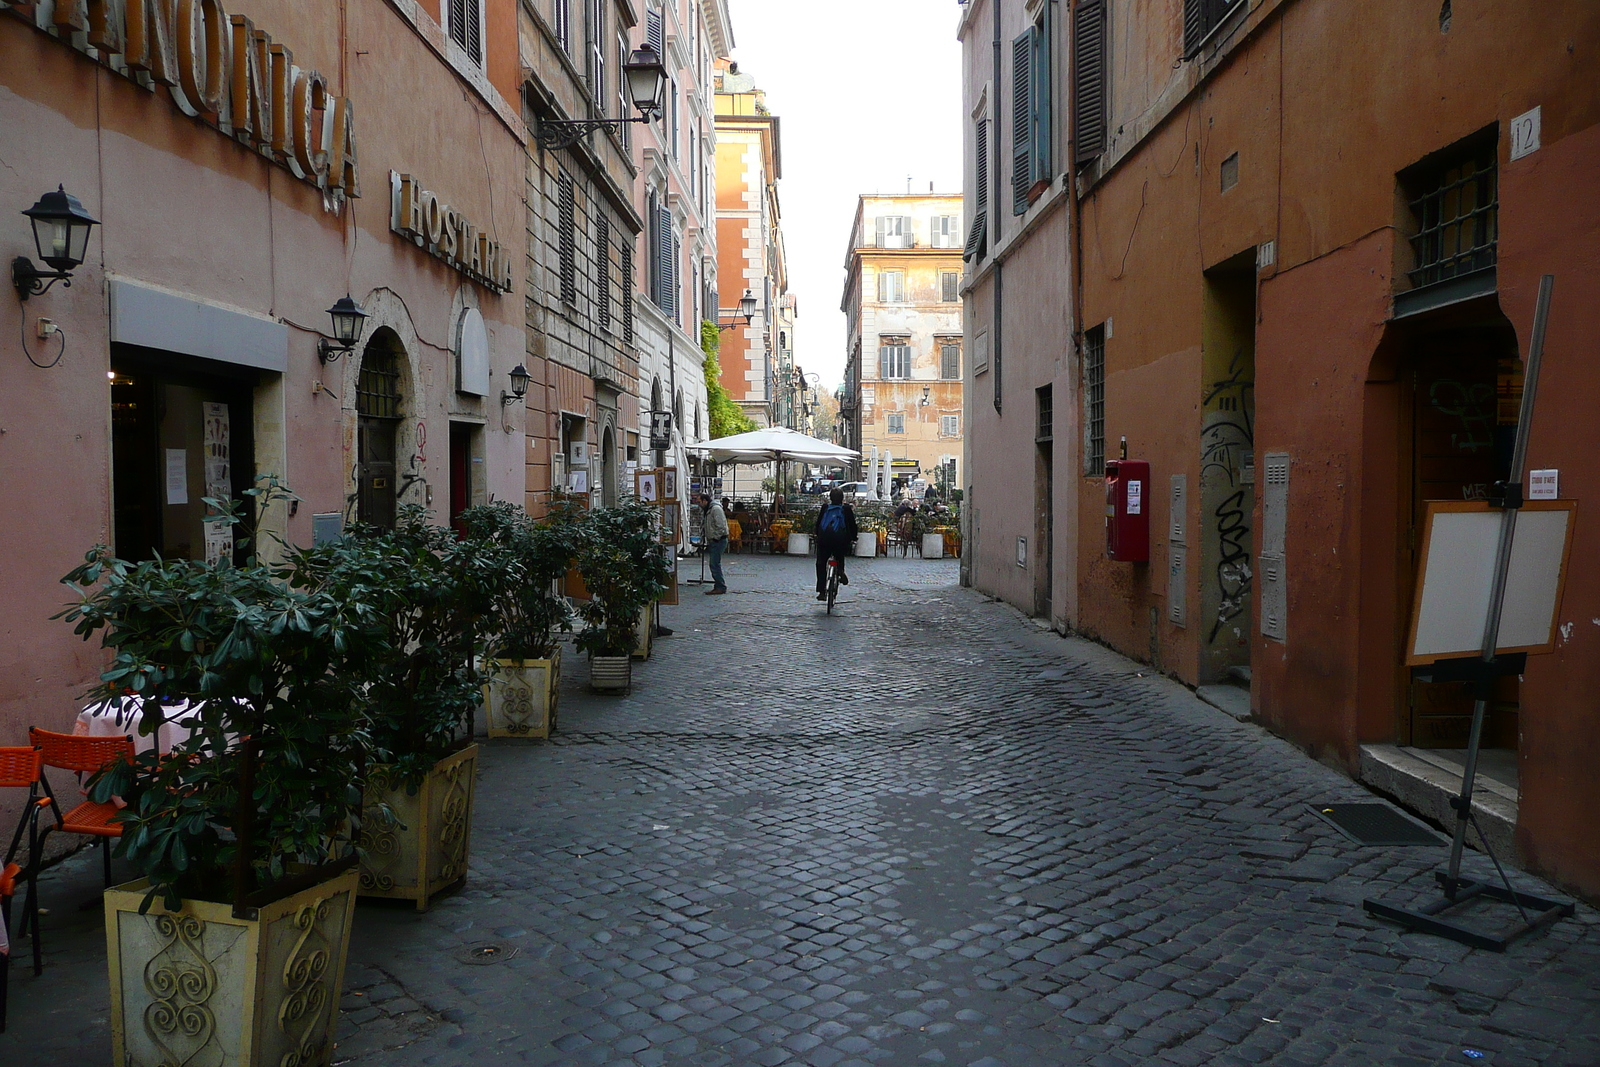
x,y
425,596
725,417
526,614
624,567
268,781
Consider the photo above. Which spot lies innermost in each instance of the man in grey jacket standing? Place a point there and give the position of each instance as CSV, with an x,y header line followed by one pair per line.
x,y
715,530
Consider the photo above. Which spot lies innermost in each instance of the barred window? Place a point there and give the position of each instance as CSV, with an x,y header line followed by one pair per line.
x,y
949,361
1094,401
1457,214
1044,397
567,238
378,384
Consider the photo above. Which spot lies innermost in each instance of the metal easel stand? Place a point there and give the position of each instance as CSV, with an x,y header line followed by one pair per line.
x,y
700,550
1482,671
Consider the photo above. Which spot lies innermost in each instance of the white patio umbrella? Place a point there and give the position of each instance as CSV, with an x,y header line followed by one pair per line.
x,y
872,474
773,444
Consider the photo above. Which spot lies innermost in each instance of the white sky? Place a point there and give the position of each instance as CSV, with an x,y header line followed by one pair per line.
x,y
869,92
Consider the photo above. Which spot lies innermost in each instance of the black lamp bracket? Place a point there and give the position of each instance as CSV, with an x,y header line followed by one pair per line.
x,y
554,134
328,351
31,281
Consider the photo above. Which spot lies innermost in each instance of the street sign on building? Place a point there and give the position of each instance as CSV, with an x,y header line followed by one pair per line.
x,y
660,430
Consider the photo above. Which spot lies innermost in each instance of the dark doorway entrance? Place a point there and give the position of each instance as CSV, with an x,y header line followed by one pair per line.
x,y
378,414
1466,386
182,429
466,463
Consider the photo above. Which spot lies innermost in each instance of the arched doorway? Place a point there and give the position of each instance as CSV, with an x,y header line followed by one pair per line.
x,y
379,409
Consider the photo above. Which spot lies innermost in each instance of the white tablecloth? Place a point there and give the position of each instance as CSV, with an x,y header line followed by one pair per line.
x,y
122,717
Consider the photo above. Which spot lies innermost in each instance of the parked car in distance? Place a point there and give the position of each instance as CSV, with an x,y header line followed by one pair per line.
x,y
855,490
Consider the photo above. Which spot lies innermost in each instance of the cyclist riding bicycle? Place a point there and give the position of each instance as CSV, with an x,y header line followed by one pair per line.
x,y
836,536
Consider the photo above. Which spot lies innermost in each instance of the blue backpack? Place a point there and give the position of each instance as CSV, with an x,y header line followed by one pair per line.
x,y
831,524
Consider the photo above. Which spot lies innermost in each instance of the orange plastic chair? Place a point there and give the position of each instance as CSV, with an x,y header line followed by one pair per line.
x,y
23,768
84,755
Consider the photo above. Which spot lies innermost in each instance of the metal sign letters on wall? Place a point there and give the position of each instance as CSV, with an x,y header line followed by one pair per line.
x,y
220,69
445,232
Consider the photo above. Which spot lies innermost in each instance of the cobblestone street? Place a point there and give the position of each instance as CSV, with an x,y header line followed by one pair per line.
x,y
919,831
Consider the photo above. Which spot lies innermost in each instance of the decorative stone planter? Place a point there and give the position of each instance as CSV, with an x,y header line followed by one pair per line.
x,y
933,546
519,699
611,674
199,986
426,850
866,545
799,544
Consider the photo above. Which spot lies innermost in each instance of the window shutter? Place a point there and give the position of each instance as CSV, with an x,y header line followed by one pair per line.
x,y
567,239
883,361
653,32
602,270
883,227
982,140
883,287
1021,121
677,289
458,22
1089,84
475,31
1194,26
664,258
627,291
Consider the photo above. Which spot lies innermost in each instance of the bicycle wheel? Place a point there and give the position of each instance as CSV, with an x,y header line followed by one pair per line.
x,y
833,585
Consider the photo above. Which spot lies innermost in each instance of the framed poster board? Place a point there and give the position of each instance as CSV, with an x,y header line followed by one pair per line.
x,y
669,484
647,486
1456,576
669,524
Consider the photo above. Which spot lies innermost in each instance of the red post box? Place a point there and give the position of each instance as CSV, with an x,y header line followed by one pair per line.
x,y
1128,510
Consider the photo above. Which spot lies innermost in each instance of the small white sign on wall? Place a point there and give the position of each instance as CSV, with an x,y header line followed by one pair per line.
x,y
1135,497
1525,134
1544,485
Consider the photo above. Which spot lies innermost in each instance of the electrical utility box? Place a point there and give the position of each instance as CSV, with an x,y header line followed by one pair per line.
x,y
1128,510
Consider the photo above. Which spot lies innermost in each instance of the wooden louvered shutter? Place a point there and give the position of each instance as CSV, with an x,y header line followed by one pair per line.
x,y
627,292
983,163
458,22
883,229
1089,82
653,31
602,270
1021,121
676,294
664,258
1194,26
474,28
567,238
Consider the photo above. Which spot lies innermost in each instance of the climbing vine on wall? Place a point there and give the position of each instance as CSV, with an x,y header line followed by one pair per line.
x,y
726,417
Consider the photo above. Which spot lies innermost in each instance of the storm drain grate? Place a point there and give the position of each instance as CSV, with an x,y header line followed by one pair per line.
x,y
1376,824
482,953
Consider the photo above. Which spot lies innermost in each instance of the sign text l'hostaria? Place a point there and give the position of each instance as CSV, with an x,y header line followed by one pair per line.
x,y
432,224
220,69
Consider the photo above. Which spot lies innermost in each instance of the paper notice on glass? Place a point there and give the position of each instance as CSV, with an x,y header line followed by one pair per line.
x,y
177,476
219,541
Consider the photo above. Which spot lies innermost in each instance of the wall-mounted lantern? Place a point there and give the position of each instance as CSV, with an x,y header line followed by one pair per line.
x,y
347,319
60,235
924,401
519,386
647,87
746,310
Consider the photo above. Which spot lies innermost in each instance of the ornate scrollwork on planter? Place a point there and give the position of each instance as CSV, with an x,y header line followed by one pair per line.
x,y
380,845
453,821
181,982
516,708
305,986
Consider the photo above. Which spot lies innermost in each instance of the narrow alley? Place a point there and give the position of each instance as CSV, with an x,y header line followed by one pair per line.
x,y
919,831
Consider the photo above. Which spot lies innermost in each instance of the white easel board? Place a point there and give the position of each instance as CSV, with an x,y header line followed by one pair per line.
x,y
1456,577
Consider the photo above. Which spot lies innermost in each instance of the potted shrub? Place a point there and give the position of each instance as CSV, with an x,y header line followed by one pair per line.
x,y
625,568
805,527
230,950
522,644
423,593
872,531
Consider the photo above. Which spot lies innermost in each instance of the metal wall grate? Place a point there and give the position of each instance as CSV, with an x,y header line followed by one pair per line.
x,y
1457,219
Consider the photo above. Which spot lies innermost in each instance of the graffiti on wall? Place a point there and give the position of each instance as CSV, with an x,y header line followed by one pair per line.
x,y
1227,458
